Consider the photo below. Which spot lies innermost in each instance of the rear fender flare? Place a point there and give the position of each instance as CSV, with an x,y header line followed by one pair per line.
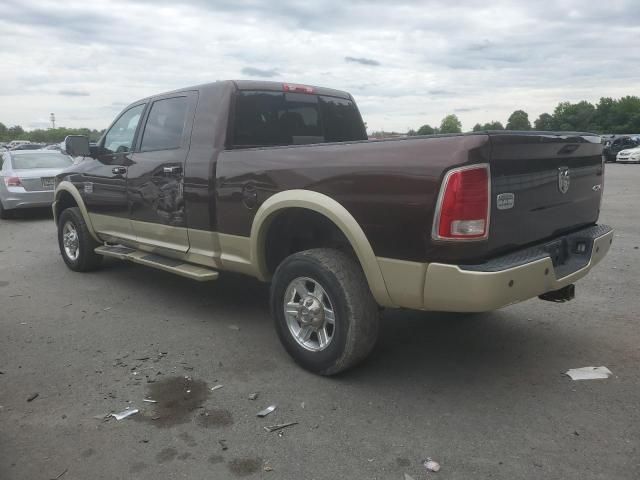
x,y
335,212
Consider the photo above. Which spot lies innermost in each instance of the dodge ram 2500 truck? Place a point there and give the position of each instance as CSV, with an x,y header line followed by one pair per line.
x,y
278,181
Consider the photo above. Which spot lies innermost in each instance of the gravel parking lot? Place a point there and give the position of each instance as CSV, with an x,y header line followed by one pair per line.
x,y
484,395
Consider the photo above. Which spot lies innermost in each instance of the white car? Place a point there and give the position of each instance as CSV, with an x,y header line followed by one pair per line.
x,y
629,155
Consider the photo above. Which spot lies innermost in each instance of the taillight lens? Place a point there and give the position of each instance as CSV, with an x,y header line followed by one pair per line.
x,y
463,207
289,87
12,181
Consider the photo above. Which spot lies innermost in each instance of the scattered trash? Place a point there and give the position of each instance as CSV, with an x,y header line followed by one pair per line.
x,y
234,327
267,468
266,411
253,396
280,426
223,444
60,476
142,359
217,387
124,414
32,397
23,323
408,477
281,433
148,400
107,309
431,465
589,373
67,305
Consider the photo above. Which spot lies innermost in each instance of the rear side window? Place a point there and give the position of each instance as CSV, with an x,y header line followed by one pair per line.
x,y
265,118
165,124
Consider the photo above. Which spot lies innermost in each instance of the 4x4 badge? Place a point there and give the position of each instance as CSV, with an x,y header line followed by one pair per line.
x,y
564,179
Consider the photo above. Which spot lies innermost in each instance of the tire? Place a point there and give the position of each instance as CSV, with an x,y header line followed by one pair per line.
x,y
344,291
4,213
85,259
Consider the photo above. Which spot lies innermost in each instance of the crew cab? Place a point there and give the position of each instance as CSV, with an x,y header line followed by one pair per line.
x,y
279,182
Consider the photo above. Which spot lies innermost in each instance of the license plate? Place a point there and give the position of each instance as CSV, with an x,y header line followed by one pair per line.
x,y
48,183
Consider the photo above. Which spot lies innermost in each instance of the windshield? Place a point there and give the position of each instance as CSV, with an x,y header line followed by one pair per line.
x,y
28,161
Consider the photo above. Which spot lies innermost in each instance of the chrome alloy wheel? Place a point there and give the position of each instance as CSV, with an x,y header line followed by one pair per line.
x,y
309,314
70,241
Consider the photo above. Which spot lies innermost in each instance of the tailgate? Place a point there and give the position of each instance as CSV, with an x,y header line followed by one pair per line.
x,y
543,185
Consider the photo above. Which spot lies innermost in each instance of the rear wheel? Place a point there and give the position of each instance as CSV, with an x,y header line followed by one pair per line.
x,y
76,243
4,213
324,312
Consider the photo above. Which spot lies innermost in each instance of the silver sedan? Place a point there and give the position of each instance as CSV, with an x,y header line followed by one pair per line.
x,y
27,178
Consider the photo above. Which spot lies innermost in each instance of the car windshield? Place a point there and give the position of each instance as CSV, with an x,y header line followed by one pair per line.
x,y
27,161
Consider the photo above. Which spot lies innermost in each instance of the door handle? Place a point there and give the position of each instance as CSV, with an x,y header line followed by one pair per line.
x,y
119,170
172,170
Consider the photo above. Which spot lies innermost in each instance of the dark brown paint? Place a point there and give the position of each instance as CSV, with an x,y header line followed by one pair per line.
x,y
389,187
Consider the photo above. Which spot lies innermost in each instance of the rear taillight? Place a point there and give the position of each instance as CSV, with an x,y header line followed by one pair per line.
x,y
462,211
289,87
12,181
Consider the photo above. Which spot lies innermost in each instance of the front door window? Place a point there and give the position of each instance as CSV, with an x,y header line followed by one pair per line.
x,y
119,138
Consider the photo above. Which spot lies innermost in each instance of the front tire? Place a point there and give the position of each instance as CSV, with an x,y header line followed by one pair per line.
x,y
324,312
76,243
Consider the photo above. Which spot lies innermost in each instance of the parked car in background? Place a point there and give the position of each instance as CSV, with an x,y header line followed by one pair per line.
x,y
15,143
612,147
29,146
630,155
27,178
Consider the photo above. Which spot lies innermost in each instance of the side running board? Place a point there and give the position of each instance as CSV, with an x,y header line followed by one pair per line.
x,y
189,270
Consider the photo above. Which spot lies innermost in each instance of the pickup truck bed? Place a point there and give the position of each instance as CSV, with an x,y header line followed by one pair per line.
x,y
278,181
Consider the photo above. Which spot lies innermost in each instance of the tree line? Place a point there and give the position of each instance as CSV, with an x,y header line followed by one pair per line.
x,y
49,135
608,116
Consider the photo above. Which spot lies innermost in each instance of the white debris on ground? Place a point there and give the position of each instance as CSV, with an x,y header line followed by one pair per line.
x,y
589,373
431,465
124,414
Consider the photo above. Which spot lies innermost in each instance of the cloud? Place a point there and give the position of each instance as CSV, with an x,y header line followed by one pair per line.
x,y
73,93
363,61
430,57
257,72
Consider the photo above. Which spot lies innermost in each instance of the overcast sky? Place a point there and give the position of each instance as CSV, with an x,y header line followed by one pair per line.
x,y
407,63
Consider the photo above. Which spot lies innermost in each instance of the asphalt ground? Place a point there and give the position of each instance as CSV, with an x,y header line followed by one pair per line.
x,y
484,395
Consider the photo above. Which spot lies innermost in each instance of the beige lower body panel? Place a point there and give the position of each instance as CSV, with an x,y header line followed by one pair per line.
x,y
200,247
444,287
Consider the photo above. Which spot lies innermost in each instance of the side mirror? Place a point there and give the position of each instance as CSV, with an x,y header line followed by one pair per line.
x,y
77,145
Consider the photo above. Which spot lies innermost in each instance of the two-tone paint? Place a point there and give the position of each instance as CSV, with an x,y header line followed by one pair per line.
x,y
381,194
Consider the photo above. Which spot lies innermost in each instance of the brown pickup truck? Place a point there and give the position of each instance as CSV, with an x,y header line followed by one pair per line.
x,y
279,181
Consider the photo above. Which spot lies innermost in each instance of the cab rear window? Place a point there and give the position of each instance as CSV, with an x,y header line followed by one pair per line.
x,y
266,118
